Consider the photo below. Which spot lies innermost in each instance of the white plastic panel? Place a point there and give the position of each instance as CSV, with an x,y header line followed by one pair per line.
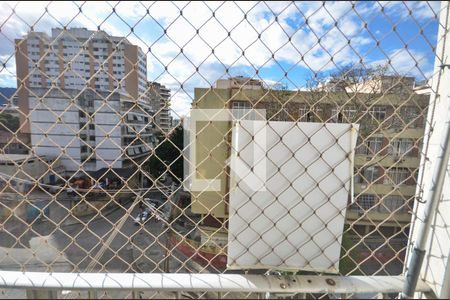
x,y
296,220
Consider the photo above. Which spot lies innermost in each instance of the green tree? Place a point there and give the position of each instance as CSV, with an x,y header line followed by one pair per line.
x,y
349,257
168,157
8,121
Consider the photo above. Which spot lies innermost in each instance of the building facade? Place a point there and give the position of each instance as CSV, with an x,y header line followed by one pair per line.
x,y
82,97
391,122
86,132
77,58
159,98
22,172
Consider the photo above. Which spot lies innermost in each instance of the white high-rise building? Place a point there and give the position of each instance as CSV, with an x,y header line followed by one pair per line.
x,y
77,58
97,84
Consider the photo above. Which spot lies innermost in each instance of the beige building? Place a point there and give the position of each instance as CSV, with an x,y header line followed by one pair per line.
x,y
387,154
77,58
159,97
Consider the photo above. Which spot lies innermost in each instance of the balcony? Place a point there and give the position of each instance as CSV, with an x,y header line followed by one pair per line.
x,y
404,161
369,217
384,189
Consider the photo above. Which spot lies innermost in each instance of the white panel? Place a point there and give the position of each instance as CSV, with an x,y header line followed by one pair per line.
x,y
297,221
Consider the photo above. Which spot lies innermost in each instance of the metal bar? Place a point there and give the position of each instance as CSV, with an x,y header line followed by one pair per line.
x,y
206,282
445,290
434,192
92,294
41,294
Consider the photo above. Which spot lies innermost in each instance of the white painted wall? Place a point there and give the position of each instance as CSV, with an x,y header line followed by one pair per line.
x,y
55,123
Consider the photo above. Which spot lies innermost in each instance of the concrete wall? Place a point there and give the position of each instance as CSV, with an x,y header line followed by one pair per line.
x,y
31,169
214,157
55,124
108,133
211,163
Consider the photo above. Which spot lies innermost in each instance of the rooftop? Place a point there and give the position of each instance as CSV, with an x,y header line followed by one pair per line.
x,y
5,158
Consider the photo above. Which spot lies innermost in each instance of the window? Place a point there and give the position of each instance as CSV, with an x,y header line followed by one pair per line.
x,y
401,147
241,108
394,202
92,138
345,115
92,126
409,115
378,112
370,174
397,176
366,202
83,149
306,114
371,147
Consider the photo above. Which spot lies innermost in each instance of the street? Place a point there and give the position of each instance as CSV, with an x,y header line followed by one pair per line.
x,y
106,242
71,244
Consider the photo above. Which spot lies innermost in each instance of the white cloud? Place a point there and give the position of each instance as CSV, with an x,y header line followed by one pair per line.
x,y
409,62
421,10
260,29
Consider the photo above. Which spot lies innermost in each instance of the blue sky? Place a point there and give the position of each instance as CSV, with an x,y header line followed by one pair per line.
x,y
285,41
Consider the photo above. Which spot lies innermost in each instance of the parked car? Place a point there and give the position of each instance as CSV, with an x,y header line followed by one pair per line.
x,y
158,208
142,217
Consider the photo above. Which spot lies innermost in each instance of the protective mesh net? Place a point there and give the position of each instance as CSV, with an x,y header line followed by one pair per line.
x,y
94,172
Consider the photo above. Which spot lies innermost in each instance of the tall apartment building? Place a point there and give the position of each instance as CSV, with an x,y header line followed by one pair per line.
x,y
77,58
159,97
96,83
391,122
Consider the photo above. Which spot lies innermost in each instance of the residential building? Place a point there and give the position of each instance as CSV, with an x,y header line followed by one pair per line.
x,y
86,132
84,92
26,171
239,82
159,97
387,156
77,58
11,143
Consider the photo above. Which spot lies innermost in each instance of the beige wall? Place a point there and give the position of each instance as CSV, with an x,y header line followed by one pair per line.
x,y
111,76
210,158
211,154
22,83
131,74
61,62
91,65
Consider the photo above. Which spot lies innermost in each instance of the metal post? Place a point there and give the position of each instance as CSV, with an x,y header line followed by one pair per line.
x,y
168,233
418,254
445,291
440,165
